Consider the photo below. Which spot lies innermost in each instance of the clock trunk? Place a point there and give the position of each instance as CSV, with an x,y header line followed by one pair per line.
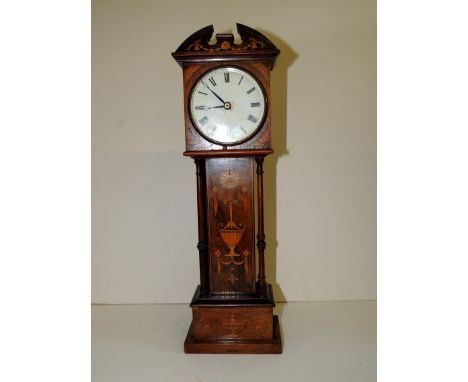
x,y
231,235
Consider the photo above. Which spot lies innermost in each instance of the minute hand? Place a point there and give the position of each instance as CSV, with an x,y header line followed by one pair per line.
x,y
217,96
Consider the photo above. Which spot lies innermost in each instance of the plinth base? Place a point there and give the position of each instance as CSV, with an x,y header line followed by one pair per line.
x,y
273,346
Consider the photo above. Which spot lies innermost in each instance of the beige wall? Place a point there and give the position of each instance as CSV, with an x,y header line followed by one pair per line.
x,y
320,184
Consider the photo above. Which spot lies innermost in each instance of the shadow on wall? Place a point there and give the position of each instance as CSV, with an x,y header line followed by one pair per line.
x,y
279,102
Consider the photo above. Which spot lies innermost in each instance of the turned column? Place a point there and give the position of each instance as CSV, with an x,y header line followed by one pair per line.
x,y
260,229
202,230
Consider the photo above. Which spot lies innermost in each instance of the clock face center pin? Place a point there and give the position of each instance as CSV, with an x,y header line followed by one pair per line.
x,y
227,105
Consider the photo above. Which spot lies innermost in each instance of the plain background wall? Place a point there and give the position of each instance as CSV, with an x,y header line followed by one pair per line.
x,y
320,184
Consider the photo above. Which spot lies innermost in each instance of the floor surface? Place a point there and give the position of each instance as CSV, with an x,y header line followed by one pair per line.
x,y
322,341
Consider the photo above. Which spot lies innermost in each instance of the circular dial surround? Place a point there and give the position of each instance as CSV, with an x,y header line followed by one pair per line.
x,y
227,105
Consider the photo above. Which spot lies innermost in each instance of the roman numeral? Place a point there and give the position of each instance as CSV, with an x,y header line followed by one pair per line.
x,y
202,93
226,77
250,90
200,107
240,127
212,81
240,80
252,119
203,121
255,104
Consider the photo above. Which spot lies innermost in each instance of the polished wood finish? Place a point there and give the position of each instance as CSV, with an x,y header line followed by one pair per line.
x,y
231,225
252,346
232,323
232,309
233,300
261,244
228,153
202,225
254,47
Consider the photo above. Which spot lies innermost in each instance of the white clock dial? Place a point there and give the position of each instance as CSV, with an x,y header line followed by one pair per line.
x,y
227,105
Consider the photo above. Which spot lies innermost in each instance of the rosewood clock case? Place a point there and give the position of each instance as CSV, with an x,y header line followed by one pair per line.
x,y
232,308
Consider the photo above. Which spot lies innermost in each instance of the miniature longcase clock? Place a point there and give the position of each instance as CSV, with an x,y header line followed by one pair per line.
x,y
228,134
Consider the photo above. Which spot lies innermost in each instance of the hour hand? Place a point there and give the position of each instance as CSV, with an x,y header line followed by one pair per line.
x,y
208,107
